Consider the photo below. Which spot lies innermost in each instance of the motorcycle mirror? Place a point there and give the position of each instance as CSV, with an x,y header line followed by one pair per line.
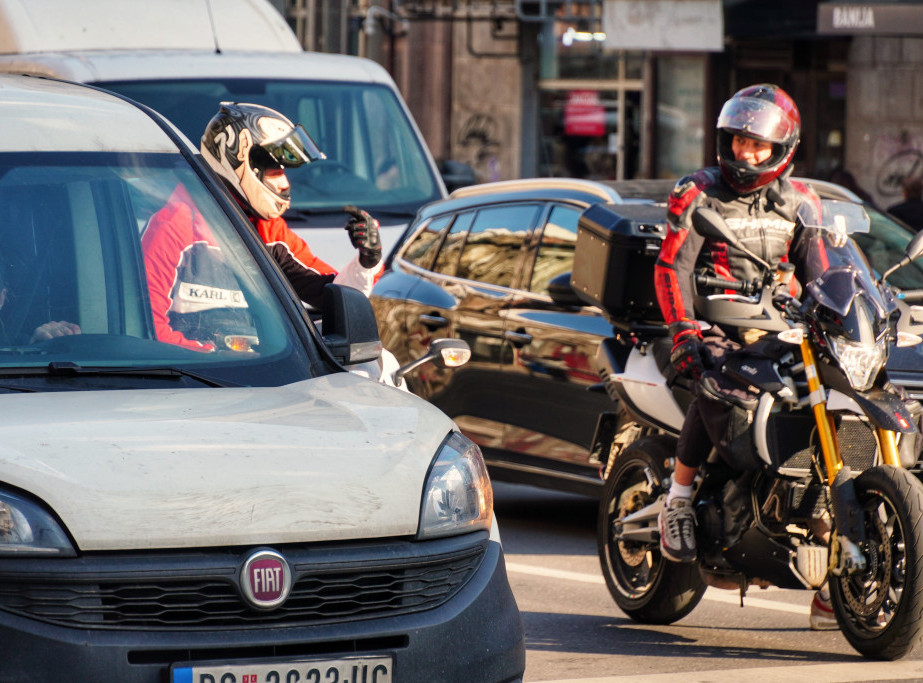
x,y
913,251
711,224
443,353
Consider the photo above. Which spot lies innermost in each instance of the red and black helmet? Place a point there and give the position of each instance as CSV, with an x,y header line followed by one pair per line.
x,y
762,112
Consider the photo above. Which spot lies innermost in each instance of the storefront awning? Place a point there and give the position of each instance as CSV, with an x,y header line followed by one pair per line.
x,y
875,19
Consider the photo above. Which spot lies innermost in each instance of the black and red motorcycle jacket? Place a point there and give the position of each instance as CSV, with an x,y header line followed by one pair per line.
x,y
764,221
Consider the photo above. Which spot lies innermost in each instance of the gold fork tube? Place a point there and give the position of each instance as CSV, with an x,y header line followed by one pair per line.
x,y
888,444
825,431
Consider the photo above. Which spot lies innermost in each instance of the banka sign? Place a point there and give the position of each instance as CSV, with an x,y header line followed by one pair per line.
x,y
880,19
265,579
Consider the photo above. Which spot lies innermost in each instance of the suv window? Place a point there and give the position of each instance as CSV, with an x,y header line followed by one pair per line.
x,y
76,290
556,249
491,252
421,250
447,258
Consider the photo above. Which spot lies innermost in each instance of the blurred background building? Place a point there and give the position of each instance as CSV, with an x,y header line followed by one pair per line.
x,y
618,89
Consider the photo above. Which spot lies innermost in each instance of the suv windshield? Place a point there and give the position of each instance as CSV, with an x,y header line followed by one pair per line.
x,y
124,268
374,160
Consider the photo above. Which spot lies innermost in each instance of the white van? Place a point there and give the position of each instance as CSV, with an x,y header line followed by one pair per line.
x,y
202,493
184,57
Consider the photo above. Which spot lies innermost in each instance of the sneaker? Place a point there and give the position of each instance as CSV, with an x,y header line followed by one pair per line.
x,y
677,530
822,618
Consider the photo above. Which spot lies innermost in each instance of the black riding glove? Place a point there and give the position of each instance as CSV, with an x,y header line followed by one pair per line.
x,y
690,356
363,233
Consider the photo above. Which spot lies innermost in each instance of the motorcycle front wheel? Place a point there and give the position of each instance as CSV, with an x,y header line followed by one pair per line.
x,y
645,586
880,609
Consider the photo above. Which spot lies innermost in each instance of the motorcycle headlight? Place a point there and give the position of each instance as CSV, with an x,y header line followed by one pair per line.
x,y
458,497
860,362
27,529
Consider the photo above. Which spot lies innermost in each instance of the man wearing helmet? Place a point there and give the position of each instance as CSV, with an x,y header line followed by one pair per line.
x,y
193,295
758,131
250,146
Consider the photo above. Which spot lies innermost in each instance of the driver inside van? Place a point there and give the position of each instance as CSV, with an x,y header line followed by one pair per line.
x,y
44,332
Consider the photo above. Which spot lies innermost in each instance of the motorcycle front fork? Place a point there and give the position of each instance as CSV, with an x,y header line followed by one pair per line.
x,y
846,543
826,429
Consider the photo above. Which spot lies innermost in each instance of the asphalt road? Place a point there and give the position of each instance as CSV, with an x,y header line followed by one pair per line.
x,y
575,632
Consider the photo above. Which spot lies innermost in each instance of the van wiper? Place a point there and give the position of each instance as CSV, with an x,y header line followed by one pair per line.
x,y
69,369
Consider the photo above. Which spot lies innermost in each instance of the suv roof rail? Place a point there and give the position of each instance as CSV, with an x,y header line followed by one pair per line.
x,y
579,184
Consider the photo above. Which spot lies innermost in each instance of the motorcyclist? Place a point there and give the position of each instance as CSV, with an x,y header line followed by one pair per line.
x,y
758,130
249,146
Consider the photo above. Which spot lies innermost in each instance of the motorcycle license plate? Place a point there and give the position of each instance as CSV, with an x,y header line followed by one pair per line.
x,y
347,670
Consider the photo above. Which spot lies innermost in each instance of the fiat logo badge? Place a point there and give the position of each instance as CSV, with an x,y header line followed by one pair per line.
x,y
265,579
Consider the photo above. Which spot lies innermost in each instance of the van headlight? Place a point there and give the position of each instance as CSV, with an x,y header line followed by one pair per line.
x,y
27,529
457,497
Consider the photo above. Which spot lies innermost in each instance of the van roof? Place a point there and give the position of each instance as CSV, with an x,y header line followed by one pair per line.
x,y
141,65
44,115
28,26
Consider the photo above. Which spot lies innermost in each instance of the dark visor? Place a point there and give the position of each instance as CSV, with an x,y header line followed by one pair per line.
x,y
293,150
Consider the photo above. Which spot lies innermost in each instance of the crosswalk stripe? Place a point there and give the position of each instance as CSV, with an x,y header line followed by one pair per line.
x,y
713,595
800,673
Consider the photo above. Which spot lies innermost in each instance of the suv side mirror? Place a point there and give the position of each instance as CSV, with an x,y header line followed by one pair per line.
x,y
348,325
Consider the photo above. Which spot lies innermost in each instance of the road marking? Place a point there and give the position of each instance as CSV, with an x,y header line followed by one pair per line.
x,y
799,673
713,594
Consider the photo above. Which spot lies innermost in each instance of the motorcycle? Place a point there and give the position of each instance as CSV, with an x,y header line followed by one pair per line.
x,y
806,484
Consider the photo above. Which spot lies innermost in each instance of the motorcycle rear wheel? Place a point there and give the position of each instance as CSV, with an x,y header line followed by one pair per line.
x,y
880,610
645,586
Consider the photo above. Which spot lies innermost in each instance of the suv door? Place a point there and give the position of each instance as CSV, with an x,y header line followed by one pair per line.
x,y
464,271
550,416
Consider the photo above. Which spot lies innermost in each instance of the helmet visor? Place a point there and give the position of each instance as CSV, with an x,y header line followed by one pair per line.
x,y
756,118
293,150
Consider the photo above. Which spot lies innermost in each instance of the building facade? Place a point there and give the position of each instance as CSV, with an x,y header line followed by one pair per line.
x,y
620,89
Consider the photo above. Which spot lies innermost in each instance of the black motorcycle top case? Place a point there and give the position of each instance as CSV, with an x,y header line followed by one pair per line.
x,y
617,245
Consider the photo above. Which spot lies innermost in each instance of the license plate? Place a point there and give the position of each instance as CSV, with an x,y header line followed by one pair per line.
x,y
346,670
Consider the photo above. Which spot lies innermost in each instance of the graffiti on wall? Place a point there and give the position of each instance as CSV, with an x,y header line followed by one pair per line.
x,y
480,143
896,157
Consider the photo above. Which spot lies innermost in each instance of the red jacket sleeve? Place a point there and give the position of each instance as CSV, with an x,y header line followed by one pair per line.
x,y
678,253
169,232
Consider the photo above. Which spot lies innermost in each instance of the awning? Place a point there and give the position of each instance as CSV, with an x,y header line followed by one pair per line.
x,y
875,19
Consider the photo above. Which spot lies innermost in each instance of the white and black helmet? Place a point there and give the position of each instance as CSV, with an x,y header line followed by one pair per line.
x,y
277,143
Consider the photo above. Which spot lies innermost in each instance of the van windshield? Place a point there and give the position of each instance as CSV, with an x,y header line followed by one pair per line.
x,y
120,270
374,159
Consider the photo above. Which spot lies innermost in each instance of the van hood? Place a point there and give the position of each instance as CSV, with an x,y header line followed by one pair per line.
x,y
332,458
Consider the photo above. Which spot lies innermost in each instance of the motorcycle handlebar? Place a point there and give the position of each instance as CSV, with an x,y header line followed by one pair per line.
x,y
722,283
913,296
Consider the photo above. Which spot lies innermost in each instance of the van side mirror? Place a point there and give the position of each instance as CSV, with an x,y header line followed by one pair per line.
x,y
349,328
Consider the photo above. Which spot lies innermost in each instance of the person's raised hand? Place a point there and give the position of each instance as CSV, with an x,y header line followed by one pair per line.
x,y
364,235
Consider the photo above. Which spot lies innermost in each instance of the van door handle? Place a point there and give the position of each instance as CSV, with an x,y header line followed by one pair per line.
x,y
433,322
517,338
